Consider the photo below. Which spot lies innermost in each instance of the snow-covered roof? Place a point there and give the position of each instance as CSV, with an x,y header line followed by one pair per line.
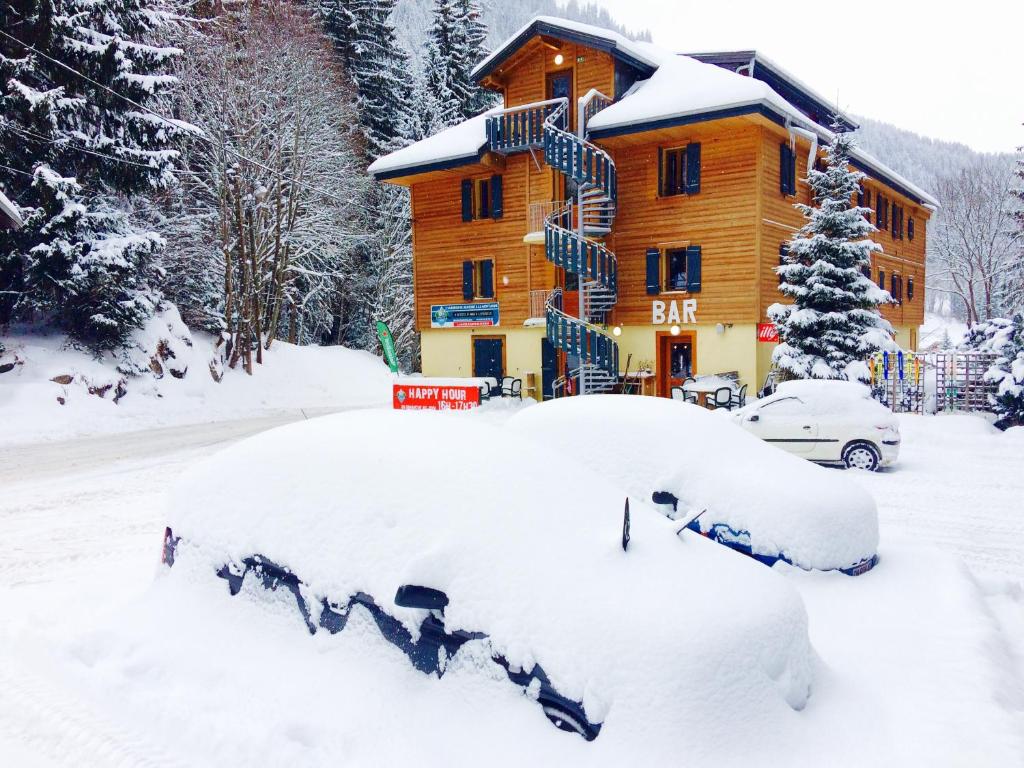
x,y
9,216
679,89
457,145
587,34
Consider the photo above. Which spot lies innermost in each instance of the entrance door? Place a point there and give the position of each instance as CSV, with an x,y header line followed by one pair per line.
x,y
548,368
489,356
560,87
675,362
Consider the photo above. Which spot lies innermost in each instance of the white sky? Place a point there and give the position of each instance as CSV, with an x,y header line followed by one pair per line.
x,y
948,70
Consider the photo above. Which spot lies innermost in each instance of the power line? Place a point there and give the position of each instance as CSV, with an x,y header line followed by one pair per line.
x,y
39,138
15,170
174,123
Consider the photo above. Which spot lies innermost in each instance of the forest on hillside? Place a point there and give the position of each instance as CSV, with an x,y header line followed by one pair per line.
x,y
212,155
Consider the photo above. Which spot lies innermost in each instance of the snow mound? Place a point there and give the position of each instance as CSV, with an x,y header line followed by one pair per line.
x,y
817,518
168,376
675,643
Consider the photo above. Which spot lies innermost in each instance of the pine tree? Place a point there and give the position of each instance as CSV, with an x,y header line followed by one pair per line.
x,y
455,44
475,37
833,324
1004,338
78,150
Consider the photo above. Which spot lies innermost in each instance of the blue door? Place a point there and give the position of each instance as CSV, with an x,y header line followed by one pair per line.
x,y
488,357
548,368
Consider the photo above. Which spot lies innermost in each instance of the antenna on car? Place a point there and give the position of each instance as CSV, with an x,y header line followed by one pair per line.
x,y
625,527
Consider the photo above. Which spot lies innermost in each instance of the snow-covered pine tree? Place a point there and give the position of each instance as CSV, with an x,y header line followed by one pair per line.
x,y
833,324
475,35
444,65
1005,338
78,150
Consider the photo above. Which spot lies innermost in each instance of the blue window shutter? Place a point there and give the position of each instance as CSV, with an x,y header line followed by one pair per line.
x,y
487,279
497,198
467,280
910,227
693,268
910,286
467,199
785,164
693,169
653,271
661,171
881,279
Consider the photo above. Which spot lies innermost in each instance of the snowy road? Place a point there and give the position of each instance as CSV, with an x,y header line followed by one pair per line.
x,y
81,524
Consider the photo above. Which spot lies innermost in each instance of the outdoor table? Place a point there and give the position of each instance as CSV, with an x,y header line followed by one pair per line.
x,y
706,386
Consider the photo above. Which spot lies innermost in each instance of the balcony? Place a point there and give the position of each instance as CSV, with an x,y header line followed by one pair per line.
x,y
521,128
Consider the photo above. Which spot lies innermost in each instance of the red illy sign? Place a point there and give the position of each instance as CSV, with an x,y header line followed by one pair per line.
x,y
767,332
434,398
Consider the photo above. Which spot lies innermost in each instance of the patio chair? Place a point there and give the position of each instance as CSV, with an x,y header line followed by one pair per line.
x,y
739,399
511,387
502,387
678,393
722,398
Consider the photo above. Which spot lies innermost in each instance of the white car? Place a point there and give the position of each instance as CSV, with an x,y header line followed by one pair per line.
x,y
832,422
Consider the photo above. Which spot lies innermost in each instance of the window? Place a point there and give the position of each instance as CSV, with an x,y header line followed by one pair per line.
x,y
881,212
896,287
679,171
897,222
478,279
910,229
482,198
787,169
675,269
881,279
910,287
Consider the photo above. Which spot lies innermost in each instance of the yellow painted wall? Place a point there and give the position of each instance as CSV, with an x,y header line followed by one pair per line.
x,y
449,351
733,350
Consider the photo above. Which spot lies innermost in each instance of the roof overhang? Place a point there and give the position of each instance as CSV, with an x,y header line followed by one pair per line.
x,y
550,28
9,216
801,96
865,164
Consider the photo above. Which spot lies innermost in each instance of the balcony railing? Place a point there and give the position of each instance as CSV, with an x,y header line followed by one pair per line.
x,y
539,212
519,128
538,302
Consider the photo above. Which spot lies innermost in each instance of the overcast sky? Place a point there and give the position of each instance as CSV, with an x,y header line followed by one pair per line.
x,y
950,71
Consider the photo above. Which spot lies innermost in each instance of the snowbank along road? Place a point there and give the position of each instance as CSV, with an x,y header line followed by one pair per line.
x,y
81,523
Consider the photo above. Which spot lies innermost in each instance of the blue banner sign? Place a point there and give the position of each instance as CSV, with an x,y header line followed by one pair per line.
x,y
464,315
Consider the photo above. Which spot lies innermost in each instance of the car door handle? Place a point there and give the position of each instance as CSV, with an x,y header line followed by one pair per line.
x,y
807,426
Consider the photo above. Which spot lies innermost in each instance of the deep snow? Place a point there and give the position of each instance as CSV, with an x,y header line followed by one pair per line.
x,y
920,660
181,390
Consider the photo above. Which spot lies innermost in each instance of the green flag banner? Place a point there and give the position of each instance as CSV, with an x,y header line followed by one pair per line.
x,y
387,343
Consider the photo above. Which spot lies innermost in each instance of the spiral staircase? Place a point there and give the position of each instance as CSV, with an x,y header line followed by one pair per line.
x,y
573,233
572,240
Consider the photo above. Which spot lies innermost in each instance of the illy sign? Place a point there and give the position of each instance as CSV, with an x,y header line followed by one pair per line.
x,y
767,333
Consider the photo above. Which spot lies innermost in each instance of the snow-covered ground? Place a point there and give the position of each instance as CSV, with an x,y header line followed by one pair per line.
x,y
50,392
921,659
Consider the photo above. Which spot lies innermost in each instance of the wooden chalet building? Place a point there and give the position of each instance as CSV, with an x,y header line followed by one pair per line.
x,y
663,183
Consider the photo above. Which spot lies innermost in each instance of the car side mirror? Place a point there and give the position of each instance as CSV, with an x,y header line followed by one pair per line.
x,y
414,596
753,417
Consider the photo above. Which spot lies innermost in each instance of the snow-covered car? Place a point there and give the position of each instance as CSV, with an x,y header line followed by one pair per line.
x,y
469,546
751,497
832,422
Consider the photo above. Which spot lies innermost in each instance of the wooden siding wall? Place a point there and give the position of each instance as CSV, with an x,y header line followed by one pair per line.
x,y
738,222
780,219
721,219
524,77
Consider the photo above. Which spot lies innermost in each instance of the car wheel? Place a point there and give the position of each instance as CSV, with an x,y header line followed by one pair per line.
x,y
861,456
